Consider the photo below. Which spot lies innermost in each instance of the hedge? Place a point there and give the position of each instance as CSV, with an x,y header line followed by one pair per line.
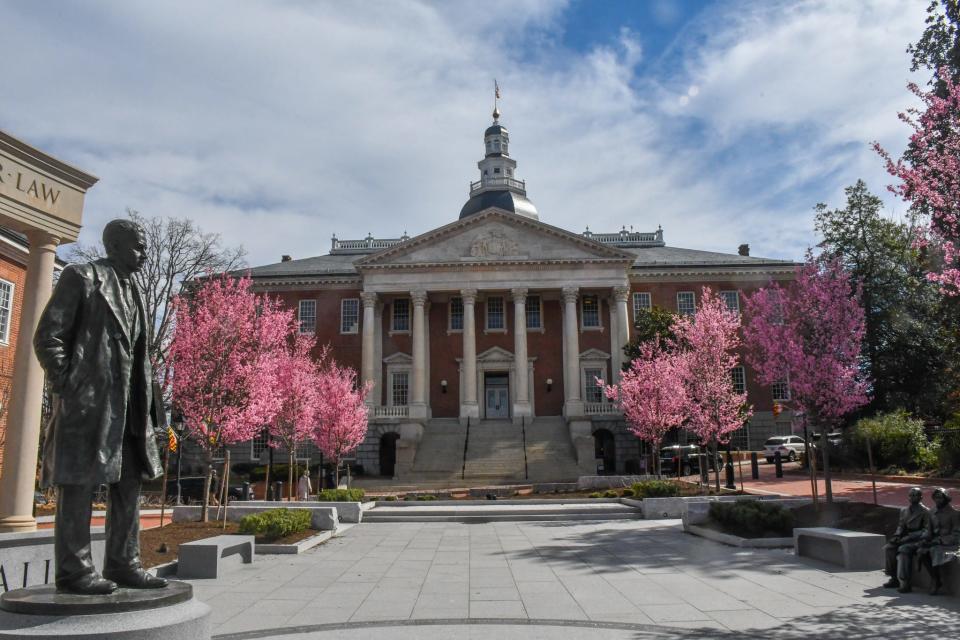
x,y
752,518
341,495
276,523
655,489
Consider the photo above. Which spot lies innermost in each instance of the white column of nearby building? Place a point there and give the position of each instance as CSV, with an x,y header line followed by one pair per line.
x,y
368,346
616,353
23,425
571,339
521,407
469,408
622,295
418,401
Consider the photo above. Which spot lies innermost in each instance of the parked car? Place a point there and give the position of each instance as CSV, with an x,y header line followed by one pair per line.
x,y
790,448
687,457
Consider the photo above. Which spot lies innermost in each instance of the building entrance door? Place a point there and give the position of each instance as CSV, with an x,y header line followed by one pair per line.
x,y
497,392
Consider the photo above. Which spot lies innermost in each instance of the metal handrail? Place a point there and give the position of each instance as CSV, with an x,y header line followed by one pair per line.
x,y
466,443
523,429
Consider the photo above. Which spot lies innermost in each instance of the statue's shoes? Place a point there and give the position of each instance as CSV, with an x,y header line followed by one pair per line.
x,y
135,579
936,590
90,584
904,588
892,583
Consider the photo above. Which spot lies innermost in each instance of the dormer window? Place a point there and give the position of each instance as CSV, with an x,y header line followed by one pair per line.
x,y
496,145
496,169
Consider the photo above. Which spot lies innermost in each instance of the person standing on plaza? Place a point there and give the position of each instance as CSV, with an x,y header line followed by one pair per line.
x,y
304,487
91,341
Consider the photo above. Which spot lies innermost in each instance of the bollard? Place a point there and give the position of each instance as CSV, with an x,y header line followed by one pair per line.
x,y
245,493
754,466
778,463
278,490
731,478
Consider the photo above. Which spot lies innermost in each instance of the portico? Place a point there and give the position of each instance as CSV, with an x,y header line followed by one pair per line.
x,y
41,197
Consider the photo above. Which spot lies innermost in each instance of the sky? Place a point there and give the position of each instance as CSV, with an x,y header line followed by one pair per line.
x,y
278,124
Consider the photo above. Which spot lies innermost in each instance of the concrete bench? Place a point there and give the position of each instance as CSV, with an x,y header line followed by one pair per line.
x,y
201,558
850,549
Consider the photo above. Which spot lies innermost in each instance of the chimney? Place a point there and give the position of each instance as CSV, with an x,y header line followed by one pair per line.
x,y
286,258
744,250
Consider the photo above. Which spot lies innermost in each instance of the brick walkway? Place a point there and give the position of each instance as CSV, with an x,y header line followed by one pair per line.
x,y
623,579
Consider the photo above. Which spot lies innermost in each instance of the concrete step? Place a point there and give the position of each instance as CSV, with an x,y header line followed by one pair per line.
x,y
493,512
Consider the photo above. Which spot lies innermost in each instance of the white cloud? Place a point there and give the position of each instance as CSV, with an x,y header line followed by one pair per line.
x,y
278,124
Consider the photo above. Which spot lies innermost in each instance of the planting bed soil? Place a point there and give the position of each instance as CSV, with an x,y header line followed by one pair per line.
x,y
175,534
854,516
716,526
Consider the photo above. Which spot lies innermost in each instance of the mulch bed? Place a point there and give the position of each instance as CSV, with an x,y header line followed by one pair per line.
x,y
174,534
854,516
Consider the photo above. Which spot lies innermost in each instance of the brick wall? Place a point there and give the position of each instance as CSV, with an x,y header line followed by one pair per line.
x,y
14,272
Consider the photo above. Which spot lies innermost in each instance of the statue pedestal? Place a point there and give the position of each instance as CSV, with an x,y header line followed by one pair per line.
x,y
127,614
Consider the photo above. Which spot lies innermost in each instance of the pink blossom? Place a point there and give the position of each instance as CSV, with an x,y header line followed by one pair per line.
x,y
930,174
343,416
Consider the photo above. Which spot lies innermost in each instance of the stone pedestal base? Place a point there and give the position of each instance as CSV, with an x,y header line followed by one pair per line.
x,y
127,614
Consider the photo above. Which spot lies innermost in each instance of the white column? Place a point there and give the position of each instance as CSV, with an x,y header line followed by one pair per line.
x,y
521,406
616,351
378,354
621,295
418,403
368,346
469,408
23,423
571,339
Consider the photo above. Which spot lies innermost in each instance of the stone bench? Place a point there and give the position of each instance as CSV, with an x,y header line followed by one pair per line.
x,y
201,558
321,518
850,549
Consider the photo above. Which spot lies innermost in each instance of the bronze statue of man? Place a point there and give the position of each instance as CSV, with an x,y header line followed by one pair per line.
x,y
92,342
913,529
944,542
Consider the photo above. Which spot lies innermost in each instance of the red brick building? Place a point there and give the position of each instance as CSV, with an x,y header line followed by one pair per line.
x,y
502,321
13,270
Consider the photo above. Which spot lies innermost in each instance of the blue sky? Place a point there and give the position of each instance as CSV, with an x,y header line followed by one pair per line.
x,y
278,124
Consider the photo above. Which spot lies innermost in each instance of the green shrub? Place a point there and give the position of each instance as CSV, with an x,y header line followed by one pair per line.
x,y
655,489
610,493
948,455
341,495
749,518
409,497
896,438
390,498
595,494
276,523
627,493
426,497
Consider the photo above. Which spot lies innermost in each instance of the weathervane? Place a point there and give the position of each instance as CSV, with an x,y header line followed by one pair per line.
x,y
496,97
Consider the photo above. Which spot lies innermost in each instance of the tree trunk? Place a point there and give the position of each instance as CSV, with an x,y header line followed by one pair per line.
x,y
163,490
266,486
716,467
205,509
336,473
828,485
225,481
290,476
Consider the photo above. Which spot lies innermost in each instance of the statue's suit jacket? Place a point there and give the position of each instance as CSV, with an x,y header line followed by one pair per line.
x,y
97,375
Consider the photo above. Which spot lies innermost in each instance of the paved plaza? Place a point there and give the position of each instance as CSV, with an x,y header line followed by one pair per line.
x,y
587,580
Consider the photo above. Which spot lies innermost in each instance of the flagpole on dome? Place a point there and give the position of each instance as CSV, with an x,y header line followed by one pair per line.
x,y
496,97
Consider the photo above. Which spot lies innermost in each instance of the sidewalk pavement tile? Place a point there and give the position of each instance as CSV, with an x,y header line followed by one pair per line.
x,y
497,609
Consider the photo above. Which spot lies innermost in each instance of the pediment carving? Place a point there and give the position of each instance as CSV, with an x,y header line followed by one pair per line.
x,y
493,243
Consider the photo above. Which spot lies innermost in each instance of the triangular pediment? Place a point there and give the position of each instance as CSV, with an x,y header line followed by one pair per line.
x,y
398,358
491,237
495,354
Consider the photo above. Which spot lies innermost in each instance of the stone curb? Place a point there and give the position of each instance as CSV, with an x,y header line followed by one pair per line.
x,y
737,541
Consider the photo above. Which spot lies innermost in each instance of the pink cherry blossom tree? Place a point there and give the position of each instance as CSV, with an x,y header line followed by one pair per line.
x,y
652,394
343,415
929,172
224,359
809,335
299,385
710,340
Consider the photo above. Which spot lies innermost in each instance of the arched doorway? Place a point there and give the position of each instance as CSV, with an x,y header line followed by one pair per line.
x,y
605,451
388,453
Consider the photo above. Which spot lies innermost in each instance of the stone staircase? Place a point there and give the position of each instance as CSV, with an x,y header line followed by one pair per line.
x,y
495,453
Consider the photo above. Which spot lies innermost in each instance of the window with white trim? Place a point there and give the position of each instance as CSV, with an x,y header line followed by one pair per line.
x,y
6,310
739,378
349,315
732,300
590,311
781,391
686,303
258,445
456,314
591,390
496,319
400,388
400,320
534,312
307,316
641,302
